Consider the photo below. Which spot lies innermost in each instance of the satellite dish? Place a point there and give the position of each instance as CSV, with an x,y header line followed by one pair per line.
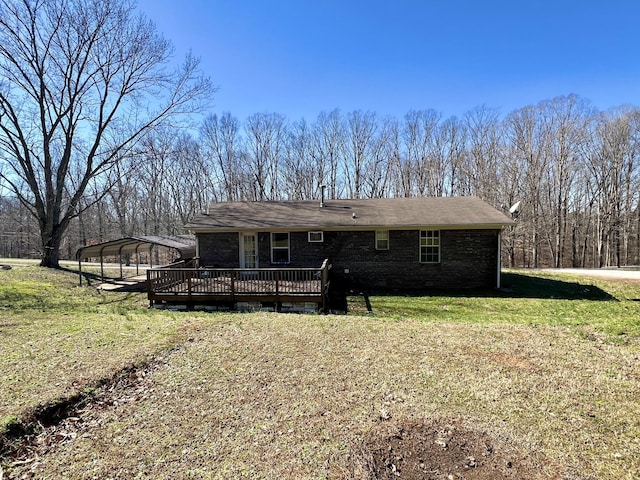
x,y
515,210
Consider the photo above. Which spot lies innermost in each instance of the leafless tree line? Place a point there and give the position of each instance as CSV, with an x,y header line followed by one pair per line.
x,y
82,83
573,169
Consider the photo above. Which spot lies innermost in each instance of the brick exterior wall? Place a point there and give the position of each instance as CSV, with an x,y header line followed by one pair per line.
x,y
468,258
219,250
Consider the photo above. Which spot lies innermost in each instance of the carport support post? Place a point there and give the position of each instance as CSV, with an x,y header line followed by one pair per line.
x,y
137,260
80,269
120,260
102,263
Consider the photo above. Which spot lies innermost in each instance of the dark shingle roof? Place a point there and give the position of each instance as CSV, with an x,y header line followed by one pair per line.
x,y
390,213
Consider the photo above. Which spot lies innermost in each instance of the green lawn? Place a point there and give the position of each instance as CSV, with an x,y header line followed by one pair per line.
x,y
57,339
589,306
551,370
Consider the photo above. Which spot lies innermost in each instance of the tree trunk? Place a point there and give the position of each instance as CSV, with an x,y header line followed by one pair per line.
x,y
51,238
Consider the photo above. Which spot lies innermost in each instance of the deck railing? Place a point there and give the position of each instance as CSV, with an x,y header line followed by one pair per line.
x,y
238,284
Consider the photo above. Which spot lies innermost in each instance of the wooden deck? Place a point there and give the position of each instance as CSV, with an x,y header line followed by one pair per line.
x,y
233,285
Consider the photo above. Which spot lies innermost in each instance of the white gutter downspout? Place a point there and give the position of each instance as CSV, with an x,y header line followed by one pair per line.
x,y
499,258
198,251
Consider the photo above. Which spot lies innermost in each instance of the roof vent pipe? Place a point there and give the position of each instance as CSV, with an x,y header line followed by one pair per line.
x,y
322,188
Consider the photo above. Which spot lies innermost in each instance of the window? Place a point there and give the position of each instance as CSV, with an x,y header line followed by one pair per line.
x,y
280,248
382,239
429,246
316,237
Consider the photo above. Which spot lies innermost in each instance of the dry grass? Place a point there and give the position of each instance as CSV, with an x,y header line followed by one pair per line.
x,y
270,395
284,396
59,339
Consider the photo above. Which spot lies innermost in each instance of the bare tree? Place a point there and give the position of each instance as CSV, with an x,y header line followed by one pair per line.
x,y
189,187
82,82
448,158
302,172
328,137
567,119
482,168
360,132
420,132
222,147
528,138
377,176
399,184
157,156
613,165
123,195
632,193
265,148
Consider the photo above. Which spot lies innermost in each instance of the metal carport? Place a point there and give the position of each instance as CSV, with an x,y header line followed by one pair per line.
x,y
185,245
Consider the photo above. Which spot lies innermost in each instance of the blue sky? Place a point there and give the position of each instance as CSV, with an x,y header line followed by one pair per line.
x,y
298,58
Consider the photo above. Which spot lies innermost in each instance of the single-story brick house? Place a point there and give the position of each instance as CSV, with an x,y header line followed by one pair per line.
x,y
394,245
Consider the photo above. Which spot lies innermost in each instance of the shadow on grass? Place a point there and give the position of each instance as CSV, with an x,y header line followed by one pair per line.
x,y
87,277
118,285
514,285
525,286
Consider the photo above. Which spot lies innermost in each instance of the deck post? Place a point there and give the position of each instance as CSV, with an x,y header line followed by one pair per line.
x,y
324,281
150,289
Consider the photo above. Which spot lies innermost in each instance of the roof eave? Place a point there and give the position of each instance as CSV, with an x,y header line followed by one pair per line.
x,y
349,228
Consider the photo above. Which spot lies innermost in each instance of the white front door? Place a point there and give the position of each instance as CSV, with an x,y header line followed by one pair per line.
x,y
248,250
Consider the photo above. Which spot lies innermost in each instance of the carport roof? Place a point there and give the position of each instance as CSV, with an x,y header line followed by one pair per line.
x,y
184,244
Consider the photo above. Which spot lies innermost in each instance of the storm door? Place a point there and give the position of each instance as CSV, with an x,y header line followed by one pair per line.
x,y
248,250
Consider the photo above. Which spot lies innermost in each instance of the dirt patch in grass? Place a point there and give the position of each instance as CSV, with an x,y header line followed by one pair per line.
x,y
59,421
441,449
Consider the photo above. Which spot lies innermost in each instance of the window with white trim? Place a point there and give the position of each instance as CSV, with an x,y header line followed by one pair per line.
x,y
280,247
316,237
429,246
382,239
